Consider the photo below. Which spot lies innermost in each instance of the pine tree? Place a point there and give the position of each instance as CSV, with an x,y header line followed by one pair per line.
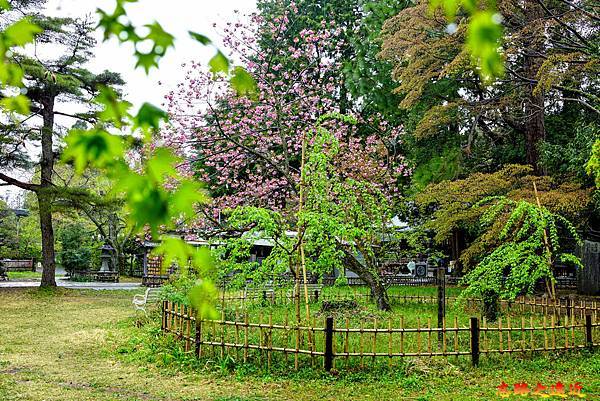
x,y
55,79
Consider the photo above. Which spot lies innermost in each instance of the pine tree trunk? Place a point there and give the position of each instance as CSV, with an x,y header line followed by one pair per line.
x,y
535,130
48,254
45,198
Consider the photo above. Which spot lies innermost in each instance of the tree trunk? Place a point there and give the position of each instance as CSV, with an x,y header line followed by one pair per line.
x,y
370,276
534,128
48,255
45,197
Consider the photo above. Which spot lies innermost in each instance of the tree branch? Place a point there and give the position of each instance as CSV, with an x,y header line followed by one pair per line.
x,y
20,184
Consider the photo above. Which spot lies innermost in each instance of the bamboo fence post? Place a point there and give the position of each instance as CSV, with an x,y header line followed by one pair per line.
x,y
418,335
287,335
390,342
214,337
166,316
573,329
245,337
522,304
428,336
173,312
297,345
508,335
500,335
181,322
237,335
176,319
545,334
531,334
523,333
163,315
314,342
270,341
261,338
484,326
360,344
544,306
346,340
374,343
456,349
589,341
566,329
333,345
402,335
444,335
223,328
328,351
553,331
474,341
199,336
188,321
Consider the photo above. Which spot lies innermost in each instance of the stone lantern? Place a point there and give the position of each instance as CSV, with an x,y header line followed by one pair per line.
x,y
106,258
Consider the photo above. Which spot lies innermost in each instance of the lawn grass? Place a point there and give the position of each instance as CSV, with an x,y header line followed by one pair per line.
x,y
85,345
24,275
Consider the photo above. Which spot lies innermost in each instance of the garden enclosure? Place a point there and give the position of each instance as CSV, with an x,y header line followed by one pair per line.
x,y
267,333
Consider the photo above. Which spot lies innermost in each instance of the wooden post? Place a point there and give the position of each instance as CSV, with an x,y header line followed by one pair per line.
x,y
569,302
475,341
328,354
163,324
588,331
441,301
198,337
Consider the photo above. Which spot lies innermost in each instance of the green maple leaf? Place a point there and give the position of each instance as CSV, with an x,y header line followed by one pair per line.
x,y
243,82
219,63
200,38
97,148
115,110
146,60
149,117
161,38
20,33
18,104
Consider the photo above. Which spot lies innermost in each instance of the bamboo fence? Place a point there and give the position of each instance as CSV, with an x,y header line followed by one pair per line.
x,y
540,325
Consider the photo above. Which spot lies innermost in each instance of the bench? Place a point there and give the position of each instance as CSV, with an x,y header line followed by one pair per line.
x,y
3,275
151,296
19,265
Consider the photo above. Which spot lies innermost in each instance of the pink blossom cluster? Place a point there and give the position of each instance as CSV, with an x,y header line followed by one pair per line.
x,y
248,149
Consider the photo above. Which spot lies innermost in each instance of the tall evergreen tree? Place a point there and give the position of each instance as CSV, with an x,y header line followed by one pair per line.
x,y
55,79
551,61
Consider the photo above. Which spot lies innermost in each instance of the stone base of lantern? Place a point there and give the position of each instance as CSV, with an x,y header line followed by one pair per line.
x,y
106,277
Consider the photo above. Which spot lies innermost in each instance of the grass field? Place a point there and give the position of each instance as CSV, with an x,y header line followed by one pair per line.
x,y
25,275
85,345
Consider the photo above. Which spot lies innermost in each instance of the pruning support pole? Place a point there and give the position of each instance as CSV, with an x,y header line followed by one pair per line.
x,y
301,245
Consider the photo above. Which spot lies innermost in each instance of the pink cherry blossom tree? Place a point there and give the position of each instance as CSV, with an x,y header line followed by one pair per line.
x,y
247,148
